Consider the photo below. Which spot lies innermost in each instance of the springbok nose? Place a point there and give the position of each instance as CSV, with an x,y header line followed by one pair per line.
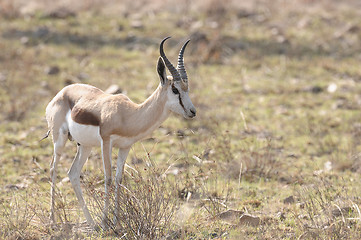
x,y
193,111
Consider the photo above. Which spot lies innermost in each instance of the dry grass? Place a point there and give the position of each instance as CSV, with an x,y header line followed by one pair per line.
x,y
328,212
18,215
146,205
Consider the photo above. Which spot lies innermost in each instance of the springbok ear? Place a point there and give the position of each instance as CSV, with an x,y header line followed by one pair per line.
x,y
161,71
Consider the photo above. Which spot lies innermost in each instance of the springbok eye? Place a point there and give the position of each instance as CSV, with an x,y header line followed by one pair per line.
x,y
175,90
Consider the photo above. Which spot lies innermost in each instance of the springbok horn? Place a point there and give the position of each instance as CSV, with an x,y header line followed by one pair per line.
x,y
180,66
171,68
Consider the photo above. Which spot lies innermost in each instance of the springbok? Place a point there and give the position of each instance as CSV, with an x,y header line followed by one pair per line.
x,y
94,118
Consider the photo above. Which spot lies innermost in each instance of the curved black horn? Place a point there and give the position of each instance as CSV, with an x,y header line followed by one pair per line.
x,y
180,65
171,68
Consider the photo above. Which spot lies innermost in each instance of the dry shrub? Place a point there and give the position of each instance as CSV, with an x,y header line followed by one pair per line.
x,y
356,163
18,8
8,9
254,159
24,214
326,210
146,207
259,161
17,215
19,88
214,8
18,99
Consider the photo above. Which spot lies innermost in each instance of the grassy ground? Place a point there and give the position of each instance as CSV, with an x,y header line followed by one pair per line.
x,y
277,134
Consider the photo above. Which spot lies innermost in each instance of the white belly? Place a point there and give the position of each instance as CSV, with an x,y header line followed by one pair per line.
x,y
88,135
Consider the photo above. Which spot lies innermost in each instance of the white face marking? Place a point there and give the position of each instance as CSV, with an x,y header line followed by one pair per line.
x,y
175,102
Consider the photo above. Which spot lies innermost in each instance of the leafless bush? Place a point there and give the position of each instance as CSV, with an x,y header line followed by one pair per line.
x,y
18,103
8,9
255,159
17,214
213,203
262,162
146,206
327,211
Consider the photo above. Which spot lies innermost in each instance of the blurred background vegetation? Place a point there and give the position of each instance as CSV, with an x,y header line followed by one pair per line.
x,y
274,152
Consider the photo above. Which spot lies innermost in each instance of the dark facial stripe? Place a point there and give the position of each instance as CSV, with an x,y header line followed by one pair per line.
x,y
181,103
180,100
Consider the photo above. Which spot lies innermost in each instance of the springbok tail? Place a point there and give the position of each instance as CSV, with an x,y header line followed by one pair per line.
x,y
46,136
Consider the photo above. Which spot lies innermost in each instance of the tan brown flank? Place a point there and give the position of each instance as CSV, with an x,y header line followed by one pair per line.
x,y
82,116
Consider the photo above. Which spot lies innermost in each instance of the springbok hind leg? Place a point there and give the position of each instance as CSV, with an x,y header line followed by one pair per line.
x,y
59,140
107,164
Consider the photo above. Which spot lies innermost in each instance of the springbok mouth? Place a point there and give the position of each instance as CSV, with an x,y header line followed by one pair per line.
x,y
189,116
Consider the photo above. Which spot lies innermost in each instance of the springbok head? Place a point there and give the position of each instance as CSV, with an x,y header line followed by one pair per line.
x,y
176,85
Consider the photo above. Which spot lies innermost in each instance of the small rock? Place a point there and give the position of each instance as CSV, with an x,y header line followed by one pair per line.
x,y
60,13
45,85
281,39
114,89
247,219
193,196
197,25
318,172
130,38
328,166
186,194
213,24
52,70
309,235
45,179
230,215
136,160
82,76
332,88
244,14
289,200
173,171
316,89
285,179
207,153
253,202
22,135
181,133
3,77
344,211
120,28
268,220
303,216
30,8
24,40
41,32
10,187
16,161
137,24
69,81
281,215
301,205
63,181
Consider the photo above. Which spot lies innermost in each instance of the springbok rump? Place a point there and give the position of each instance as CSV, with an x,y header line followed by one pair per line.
x,y
94,118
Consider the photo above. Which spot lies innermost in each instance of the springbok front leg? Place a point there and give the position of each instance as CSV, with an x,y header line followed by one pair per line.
x,y
106,149
59,140
122,157
74,176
